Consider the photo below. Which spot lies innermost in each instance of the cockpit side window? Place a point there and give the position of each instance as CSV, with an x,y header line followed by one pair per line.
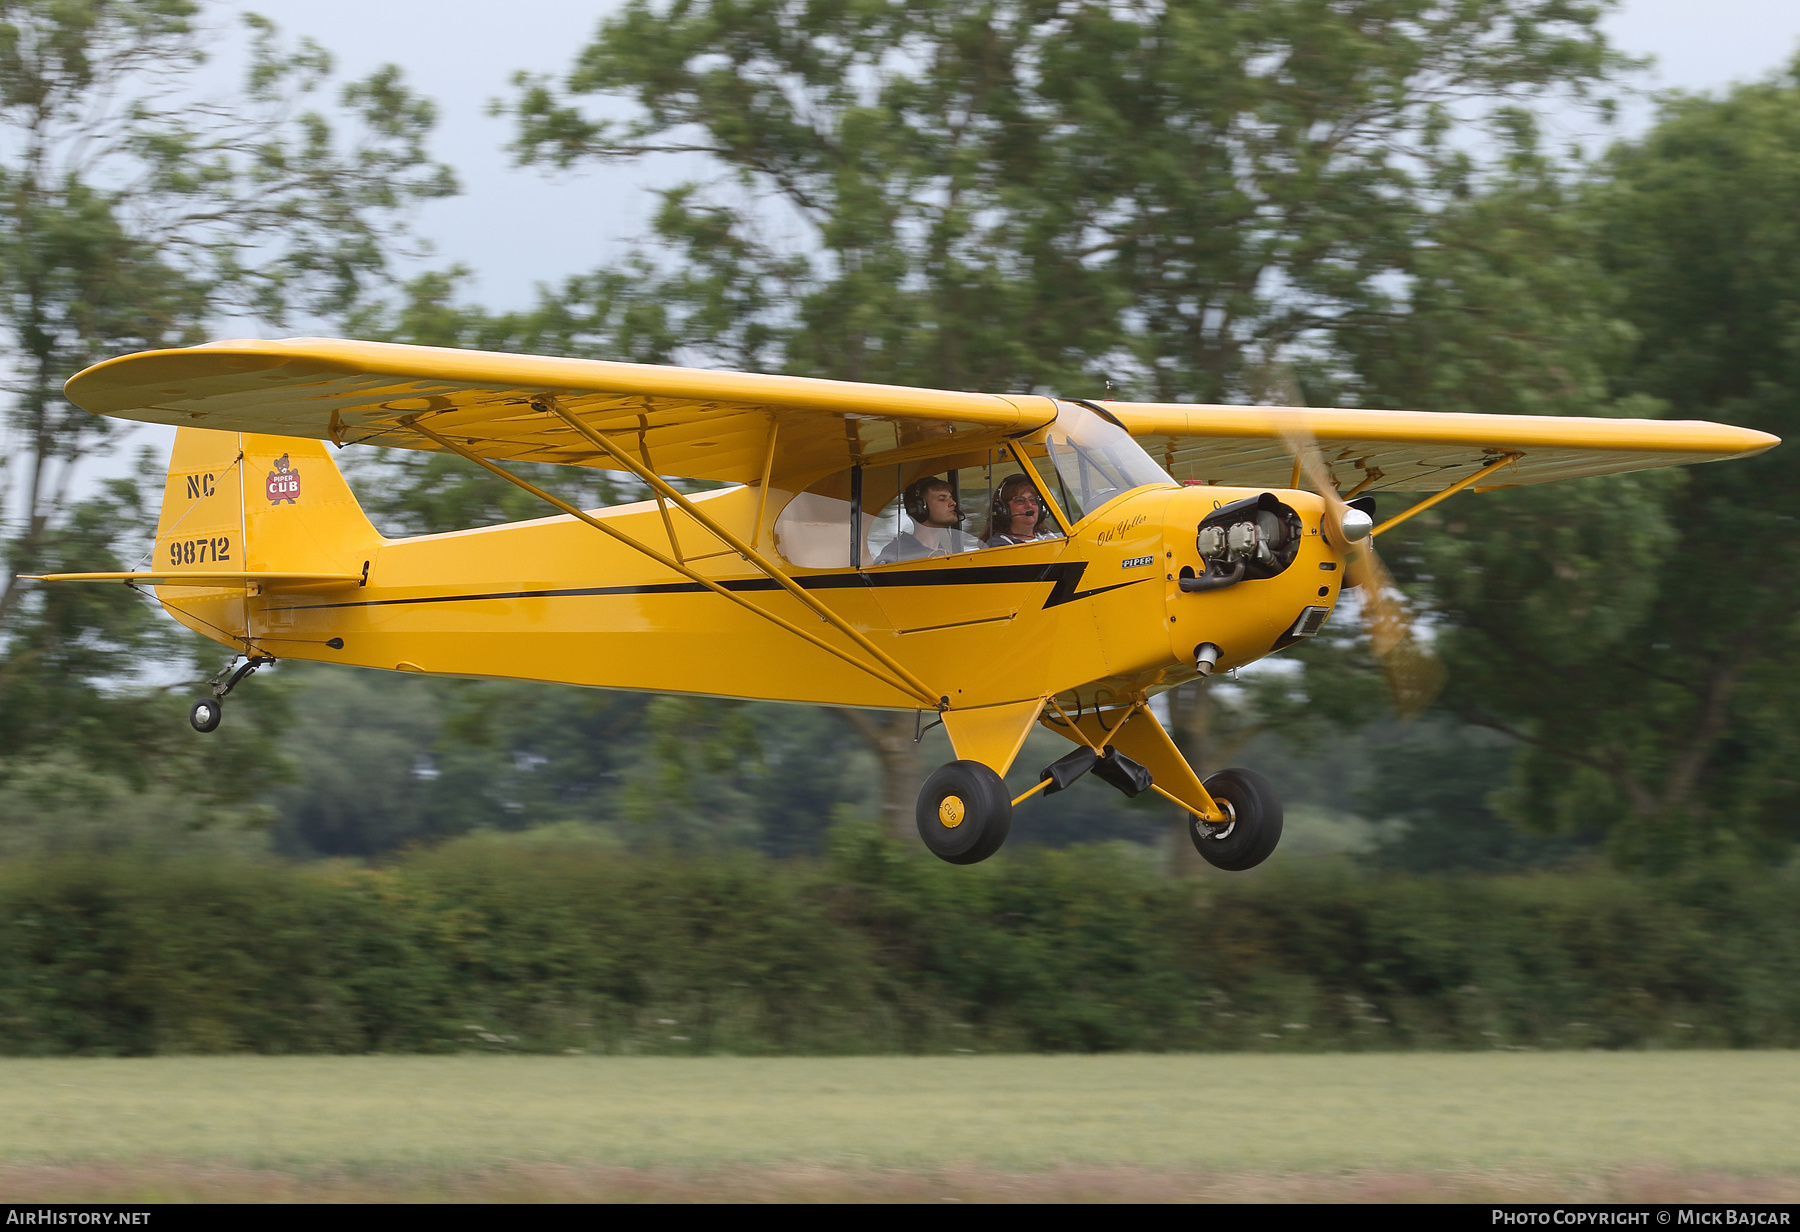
x,y
925,519
884,515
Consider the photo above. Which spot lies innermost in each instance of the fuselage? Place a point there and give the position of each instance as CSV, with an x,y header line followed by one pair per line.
x,y
1094,609
553,599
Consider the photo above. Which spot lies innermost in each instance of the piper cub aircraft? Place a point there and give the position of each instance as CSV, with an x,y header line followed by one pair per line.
x,y
999,560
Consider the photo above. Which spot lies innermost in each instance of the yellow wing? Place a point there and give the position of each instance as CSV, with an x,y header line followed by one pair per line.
x,y
1417,451
705,424
684,422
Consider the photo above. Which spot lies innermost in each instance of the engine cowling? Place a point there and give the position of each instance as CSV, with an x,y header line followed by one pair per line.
x,y
1268,550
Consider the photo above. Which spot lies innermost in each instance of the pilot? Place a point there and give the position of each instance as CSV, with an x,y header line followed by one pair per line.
x,y
1018,515
931,504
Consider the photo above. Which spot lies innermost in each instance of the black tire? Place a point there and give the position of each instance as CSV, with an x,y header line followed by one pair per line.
x,y
972,828
206,714
1255,826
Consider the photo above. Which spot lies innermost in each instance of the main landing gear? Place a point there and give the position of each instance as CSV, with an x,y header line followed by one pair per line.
x,y
1253,827
964,813
208,711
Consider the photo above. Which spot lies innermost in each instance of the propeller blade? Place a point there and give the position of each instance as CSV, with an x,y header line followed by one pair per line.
x,y
1414,674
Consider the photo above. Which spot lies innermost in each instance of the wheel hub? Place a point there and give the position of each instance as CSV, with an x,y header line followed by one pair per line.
x,y
1216,830
951,812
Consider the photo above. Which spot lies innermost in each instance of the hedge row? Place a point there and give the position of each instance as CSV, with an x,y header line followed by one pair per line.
x,y
488,945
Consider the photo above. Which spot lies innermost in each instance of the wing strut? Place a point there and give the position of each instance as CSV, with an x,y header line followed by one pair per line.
x,y
899,678
1429,501
662,488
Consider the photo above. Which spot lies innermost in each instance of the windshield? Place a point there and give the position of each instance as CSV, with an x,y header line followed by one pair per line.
x,y
1095,460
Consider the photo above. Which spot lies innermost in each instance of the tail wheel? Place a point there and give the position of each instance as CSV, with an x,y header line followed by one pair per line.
x,y
206,714
964,812
1253,827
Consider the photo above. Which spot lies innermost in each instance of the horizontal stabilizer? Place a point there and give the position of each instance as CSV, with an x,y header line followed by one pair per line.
x,y
171,578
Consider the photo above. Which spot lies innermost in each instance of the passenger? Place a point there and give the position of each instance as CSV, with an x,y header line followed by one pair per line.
x,y
1018,515
931,504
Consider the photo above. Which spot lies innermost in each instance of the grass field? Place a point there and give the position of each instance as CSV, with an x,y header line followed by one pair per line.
x,y
1471,1125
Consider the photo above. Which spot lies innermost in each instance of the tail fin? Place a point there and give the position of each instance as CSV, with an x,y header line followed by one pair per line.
x,y
243,503
299,514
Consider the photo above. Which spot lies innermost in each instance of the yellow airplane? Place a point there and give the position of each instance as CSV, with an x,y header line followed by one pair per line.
x,y
998,560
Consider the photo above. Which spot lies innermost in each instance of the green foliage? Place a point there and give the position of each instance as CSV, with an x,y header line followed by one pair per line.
x,y
1706,259
64,696
365,778
282,206
1437,781
384,763
714,773
1635,635
546,945
58,803
1014,197
134,210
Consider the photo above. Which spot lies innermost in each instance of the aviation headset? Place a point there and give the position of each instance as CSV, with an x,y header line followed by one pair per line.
x,y
914,499
1000,511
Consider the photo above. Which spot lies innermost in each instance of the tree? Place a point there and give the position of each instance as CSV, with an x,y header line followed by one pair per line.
x,y
1031,196
1434,783
132,214
1692,226
1634,635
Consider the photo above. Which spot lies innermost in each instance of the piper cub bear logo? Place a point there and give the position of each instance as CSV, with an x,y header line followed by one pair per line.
x,y
284,482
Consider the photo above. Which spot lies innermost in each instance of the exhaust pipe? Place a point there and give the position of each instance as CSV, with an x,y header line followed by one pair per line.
x,y
1206,657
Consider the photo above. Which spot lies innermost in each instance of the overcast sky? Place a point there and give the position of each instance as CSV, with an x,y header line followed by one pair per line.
x,y
516,228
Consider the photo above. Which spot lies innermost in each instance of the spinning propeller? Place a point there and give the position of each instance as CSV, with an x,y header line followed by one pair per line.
x,y
1414,674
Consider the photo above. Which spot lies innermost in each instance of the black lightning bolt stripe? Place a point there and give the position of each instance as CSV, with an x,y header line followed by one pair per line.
x,y
1066,576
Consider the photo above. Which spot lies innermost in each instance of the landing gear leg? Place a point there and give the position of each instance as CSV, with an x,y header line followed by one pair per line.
x,y
209,710
964,812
